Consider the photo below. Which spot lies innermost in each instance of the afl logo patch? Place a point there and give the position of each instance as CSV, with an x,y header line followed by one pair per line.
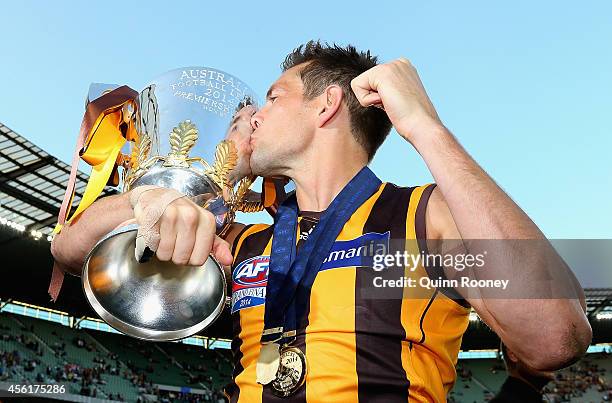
x,y
251,272
249,281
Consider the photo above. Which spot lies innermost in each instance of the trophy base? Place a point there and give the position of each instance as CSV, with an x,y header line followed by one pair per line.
x,y
154,300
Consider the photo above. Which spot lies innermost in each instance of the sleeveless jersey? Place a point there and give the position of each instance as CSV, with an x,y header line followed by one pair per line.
x,y
358,347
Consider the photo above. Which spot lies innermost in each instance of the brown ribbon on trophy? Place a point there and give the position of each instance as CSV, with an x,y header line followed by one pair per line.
x,y
104,130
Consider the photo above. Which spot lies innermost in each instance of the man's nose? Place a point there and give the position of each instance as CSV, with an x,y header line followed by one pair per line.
x,y
256,120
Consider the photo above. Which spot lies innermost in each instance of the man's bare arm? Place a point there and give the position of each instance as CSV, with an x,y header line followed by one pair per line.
x,y
544,333
190,228
73,243
547,333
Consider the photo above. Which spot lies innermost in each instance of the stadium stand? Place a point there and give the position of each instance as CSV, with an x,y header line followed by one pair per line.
x,y
116,367
467,388
105,365
586,381
491,374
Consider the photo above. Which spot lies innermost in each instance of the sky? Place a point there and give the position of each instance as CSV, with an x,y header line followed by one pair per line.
x,y
525,86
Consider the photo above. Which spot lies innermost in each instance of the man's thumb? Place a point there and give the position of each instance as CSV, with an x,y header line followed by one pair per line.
x,y
221,251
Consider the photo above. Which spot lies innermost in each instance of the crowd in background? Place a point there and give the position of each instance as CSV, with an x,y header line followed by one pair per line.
x,y
569,384
88,380
574,382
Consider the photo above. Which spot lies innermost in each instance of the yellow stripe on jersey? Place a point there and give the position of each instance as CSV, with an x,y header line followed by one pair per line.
x,y
244,235
330,334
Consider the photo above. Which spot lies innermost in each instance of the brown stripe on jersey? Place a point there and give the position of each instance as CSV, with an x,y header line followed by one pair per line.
x,y
251,242
246,248
378,327
434,272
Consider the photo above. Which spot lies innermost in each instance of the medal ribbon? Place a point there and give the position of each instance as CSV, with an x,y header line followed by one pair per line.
x,y
290,272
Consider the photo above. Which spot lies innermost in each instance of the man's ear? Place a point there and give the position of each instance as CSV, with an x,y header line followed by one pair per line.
x,y
330,102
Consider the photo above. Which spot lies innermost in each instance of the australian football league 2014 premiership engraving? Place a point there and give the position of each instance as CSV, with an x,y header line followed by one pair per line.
x,y
291,372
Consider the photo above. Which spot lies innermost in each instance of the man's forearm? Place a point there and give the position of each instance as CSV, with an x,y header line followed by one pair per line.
x,y
482,210
73,243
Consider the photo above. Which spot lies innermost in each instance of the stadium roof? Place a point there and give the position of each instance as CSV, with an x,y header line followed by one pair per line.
x,y
32,183
599,303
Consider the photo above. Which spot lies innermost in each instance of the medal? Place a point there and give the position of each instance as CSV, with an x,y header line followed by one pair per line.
x,y
291,373
267,363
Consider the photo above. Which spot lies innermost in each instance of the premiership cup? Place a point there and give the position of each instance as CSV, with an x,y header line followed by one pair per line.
x,y
174,133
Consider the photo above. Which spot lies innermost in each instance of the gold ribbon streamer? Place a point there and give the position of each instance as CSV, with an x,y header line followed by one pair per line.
x,y
104,130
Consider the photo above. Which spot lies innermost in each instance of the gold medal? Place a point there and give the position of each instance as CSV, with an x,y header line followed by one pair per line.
x,y
291,372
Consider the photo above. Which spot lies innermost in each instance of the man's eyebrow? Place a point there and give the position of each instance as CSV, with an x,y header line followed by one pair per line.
x,y
272,88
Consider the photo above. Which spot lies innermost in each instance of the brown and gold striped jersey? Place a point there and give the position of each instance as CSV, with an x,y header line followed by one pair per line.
x,y
358,347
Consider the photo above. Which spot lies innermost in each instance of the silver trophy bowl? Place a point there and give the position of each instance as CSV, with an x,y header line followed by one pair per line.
x,y
153,300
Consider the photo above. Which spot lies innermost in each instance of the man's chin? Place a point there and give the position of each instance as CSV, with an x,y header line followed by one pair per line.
x,y
263,167
257,168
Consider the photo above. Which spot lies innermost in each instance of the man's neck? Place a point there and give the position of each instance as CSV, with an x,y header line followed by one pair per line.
x,y
317,187
321,172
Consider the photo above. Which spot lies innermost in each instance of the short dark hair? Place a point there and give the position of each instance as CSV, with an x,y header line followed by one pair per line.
x,y
333,64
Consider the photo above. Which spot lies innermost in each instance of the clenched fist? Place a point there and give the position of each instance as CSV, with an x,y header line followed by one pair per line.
x,y
396,87
175,228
